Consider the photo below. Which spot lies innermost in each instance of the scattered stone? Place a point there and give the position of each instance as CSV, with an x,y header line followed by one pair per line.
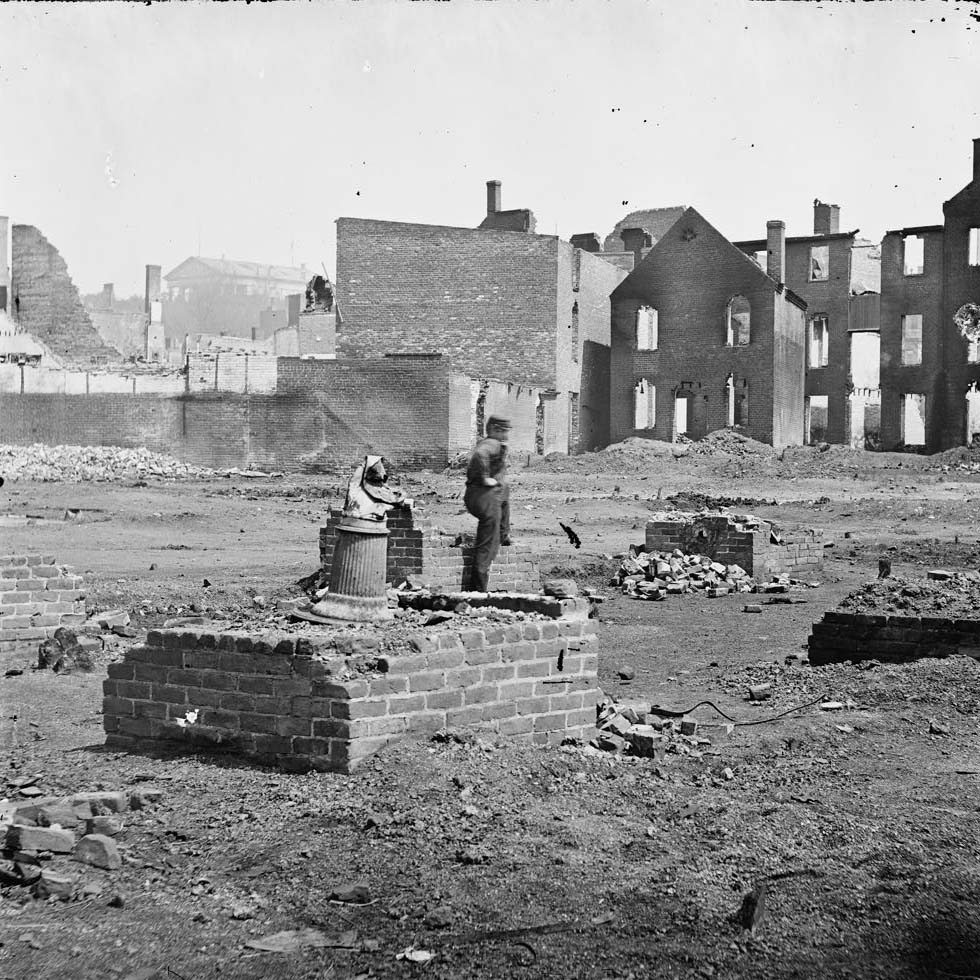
x,y
727,773
753,908
117,901
141,799
939,574
752,607
937,727
561,588
760,692
356,894
52,839
98,850
832,706
689,726
625,673
647,741
111,617
440,918
91,889
109,826
50,885
104,801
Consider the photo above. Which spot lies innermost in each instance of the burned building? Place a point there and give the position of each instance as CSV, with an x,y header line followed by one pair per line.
x,y
499,301
930,327
703,339
838,275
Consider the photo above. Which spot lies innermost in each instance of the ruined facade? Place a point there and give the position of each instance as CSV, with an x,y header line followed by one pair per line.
x,y
702,339
838,275
512,306
930,327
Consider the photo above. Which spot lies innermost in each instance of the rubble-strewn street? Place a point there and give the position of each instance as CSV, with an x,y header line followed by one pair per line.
x,y
826,826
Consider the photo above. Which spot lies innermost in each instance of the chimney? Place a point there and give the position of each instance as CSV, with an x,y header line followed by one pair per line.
x,y
775,249
4,273
635,240
152,294
826,218
976,162
587,241
107,296
493,196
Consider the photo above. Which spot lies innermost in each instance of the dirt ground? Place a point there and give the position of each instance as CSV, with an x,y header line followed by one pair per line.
x,y
510,861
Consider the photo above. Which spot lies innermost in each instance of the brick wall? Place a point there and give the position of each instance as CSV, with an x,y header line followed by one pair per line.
x,y
46,303
486,299
689,277
789,358
842,636
733,542
329,702
36,597
901,295
422,553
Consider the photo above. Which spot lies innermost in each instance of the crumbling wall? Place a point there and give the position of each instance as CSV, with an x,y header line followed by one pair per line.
x,y
126,332
428,557
46,303
36,598
748,542
329,702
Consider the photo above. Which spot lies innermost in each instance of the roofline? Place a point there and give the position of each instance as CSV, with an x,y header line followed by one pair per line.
x,y
763,243
475,231
917,230
795,299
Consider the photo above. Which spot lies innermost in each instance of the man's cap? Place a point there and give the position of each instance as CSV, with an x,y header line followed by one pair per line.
x,y
498,422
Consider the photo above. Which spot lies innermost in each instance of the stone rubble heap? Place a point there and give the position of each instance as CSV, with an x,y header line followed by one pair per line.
x,y
38,831
629,728
657,574
91,464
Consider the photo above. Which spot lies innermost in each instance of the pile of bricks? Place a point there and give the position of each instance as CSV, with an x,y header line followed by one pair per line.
x,y
44,827
432,559
327,701
657,575
36,598
737,539
632,729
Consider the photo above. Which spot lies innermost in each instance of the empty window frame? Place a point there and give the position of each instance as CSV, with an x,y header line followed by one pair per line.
x,y
680,415
913,250
974,247
914,420
644,405
819,263
818,347
575,343
647,328
973,351
912,338
817,407
738,319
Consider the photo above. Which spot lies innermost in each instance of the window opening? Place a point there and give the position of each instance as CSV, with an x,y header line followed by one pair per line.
x,y
972,415
974,258
865,363
816,418
644,405
742,405
819,345
647,328
912,338
914,251
730,400
680,415
819,263
575,344
914,420
738,316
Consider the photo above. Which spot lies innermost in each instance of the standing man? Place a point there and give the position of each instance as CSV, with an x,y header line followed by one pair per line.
x,y
487,498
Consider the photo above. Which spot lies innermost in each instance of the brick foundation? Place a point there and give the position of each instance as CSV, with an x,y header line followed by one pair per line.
x,y
734,540
36,597
842,636
328,701
424,554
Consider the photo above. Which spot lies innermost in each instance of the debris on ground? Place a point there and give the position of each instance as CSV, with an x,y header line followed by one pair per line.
x,y
656,574
99,464
955,597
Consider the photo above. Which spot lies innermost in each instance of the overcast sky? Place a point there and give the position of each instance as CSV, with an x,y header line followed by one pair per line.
x,y
132,133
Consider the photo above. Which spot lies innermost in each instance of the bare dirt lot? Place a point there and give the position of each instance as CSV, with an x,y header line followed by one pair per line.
x,y
510,861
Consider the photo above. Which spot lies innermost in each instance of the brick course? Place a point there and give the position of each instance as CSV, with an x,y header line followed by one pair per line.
x,y
333,709
36,598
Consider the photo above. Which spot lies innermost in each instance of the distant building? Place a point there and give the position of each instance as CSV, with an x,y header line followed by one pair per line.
x,y
703,339
227,296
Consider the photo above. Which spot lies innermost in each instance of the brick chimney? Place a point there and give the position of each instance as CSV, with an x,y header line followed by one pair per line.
x,y
587,241
776,249
493,196
826,218
152,293
976,159
108,296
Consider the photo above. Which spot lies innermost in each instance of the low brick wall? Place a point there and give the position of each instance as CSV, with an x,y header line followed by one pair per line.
x,y
327,702
842,636
36,597
426,555
733,540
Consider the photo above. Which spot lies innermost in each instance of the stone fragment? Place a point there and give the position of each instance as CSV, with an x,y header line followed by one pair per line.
x,y
760,692
51,885
440,918
752,607
110,826
689,726
939,574
646,741
52,839
753,908
355,894
832,706
104,801
936,727
561,588
625,673
109,618
98,850
61,814
141,799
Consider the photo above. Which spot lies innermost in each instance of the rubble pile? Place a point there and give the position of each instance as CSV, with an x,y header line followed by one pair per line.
x,y
91,464
952,595
631,728
655,575
727,442
40,834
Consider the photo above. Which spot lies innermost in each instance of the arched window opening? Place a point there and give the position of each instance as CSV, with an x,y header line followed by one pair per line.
x,y
738,317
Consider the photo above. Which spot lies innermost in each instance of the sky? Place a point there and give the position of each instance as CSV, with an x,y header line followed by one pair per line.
x,y
145,134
